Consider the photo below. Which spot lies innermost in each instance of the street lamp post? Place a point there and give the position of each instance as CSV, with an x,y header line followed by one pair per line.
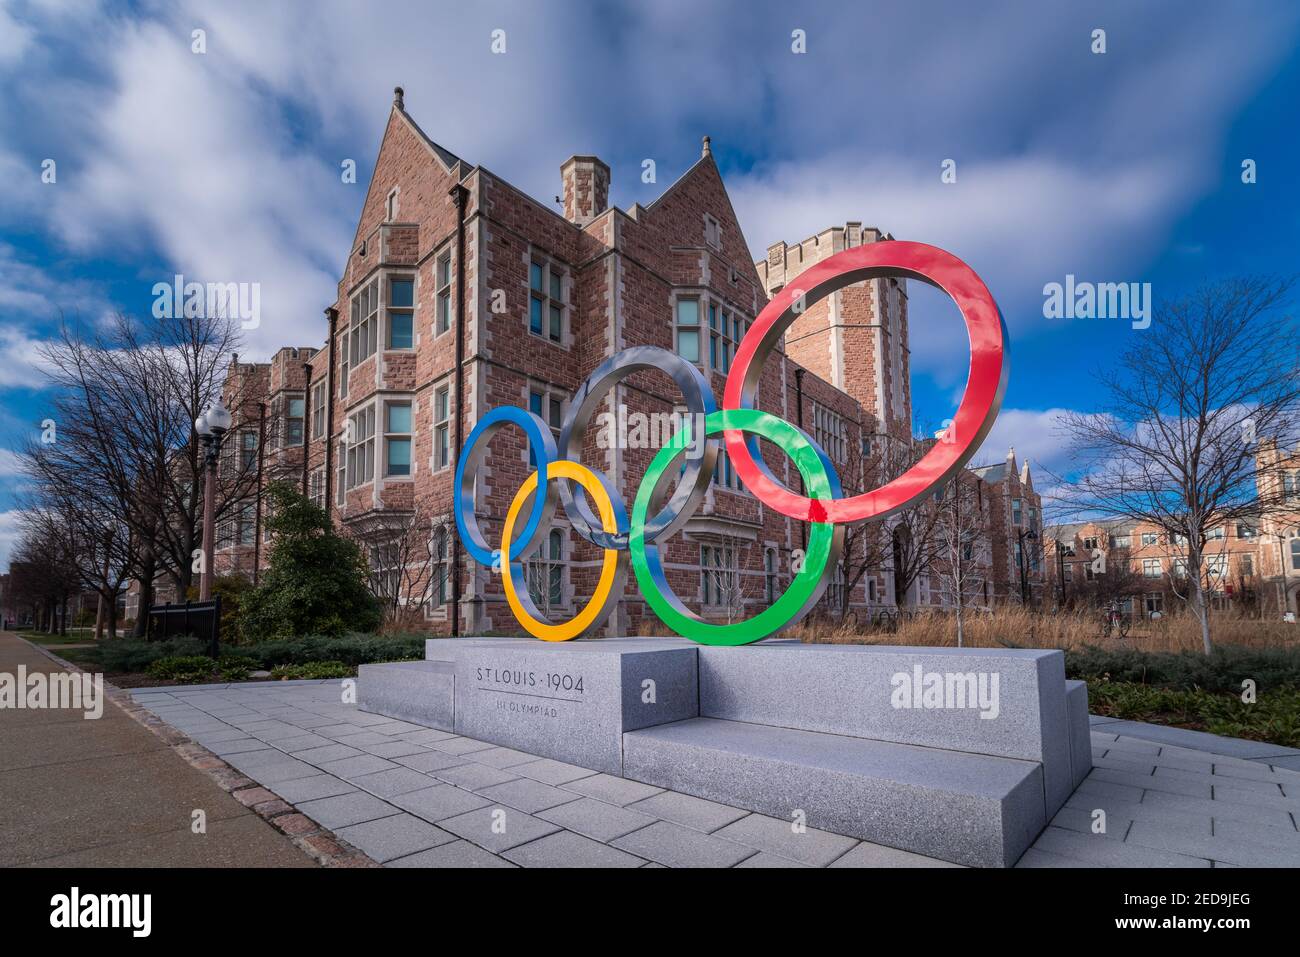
x,y
211,426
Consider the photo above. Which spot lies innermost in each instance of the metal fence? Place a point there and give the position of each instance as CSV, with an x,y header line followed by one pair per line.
x,y
202,619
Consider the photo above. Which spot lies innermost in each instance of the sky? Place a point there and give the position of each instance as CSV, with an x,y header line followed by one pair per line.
x,y
223,163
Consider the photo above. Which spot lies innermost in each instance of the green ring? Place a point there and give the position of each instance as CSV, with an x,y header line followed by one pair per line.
x,y
805,588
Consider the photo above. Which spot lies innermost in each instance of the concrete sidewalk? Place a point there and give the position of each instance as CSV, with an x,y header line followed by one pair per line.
x,y
109,792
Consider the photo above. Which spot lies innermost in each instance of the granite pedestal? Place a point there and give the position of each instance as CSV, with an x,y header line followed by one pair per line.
x,y
962,754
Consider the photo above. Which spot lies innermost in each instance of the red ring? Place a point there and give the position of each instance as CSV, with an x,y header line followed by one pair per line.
x,y
985,384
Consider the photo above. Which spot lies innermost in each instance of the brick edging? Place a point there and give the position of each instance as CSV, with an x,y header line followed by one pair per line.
x,y
317,842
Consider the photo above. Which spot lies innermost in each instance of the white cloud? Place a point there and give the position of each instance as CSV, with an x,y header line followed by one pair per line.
x,y
10,463
15,38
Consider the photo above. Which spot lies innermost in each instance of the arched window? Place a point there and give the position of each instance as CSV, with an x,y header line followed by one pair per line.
x,y
1295,554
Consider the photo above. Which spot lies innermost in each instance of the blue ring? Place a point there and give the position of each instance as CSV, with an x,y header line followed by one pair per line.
x,y
540,438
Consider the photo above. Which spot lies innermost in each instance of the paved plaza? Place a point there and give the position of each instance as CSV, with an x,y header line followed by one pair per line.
x,y
409,796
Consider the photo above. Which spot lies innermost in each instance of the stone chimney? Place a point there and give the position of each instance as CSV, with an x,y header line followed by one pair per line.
x,y
586,188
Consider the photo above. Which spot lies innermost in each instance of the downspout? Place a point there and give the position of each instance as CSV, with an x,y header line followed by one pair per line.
x,y
306,423
257,516
332,315
459,195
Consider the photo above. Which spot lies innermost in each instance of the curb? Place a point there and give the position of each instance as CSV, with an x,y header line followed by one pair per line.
x,y
319,843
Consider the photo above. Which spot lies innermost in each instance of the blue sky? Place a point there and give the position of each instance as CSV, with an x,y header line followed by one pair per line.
x,y
224,166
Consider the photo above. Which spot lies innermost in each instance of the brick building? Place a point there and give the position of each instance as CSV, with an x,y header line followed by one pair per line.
x,y
1250,565
461,293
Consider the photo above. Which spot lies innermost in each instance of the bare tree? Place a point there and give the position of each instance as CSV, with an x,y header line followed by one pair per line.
x,y
726,588
1176,444
914,543
963,560
866,547
127,395
407,554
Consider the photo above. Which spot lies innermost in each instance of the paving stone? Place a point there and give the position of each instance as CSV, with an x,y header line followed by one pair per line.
x,y
1036,858
458,854
611,789
1152,782
335,731
264,772
692,812
387,838
1133,745
1237,795
355,767
459,745
301,743
1119,815
503,757
474,776
550,771
596,819
1129,761
223,733
1105,789
764,859
1221,848
810,846
394,726
1254,772
425,736
1203,763
1256,833
675,846
1222,809
867,854
385,784
1097,851
394,749
331,752
1217,780
363,738
345,809
496,828
439,802
238,746
431,761
566,849
526,794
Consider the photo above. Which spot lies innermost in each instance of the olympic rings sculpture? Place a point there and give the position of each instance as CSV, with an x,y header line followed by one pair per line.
x,y
657,515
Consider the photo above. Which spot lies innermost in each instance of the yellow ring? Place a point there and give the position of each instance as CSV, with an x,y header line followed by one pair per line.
x,y
562,468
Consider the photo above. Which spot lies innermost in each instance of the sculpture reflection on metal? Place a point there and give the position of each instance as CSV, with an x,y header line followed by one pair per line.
x,y
656,515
